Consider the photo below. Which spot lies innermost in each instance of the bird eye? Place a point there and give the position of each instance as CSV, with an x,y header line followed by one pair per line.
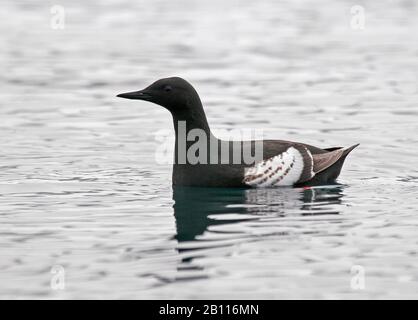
x,y
167,88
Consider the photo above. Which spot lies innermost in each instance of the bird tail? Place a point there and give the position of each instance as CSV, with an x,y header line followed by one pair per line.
x,y
349,149
323,161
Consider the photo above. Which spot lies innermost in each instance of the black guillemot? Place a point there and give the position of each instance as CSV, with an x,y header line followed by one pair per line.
x,y
269,163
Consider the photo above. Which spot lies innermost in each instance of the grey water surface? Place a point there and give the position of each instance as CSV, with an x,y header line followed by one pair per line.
x,y
82,192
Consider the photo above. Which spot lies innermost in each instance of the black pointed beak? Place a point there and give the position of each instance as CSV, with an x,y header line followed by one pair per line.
x,y
139,95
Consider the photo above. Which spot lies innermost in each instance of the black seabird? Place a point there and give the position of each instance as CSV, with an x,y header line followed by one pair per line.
x,y
281,163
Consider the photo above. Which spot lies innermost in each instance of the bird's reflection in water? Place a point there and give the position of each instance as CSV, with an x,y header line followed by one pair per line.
x,y
195,208
198,210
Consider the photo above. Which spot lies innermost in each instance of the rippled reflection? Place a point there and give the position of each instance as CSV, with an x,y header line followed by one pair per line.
x,y
197,209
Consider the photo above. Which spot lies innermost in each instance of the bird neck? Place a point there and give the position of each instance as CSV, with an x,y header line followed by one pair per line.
x,y
191,126
191,118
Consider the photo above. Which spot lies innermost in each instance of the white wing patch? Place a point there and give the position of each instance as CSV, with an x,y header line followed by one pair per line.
x,y
284,169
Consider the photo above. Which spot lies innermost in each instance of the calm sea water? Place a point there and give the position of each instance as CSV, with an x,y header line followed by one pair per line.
x,y
82,193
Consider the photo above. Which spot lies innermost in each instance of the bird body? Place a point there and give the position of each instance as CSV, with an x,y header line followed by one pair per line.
x,y
206,161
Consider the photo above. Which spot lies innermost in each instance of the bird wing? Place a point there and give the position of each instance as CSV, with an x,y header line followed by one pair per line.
x,y
293,165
